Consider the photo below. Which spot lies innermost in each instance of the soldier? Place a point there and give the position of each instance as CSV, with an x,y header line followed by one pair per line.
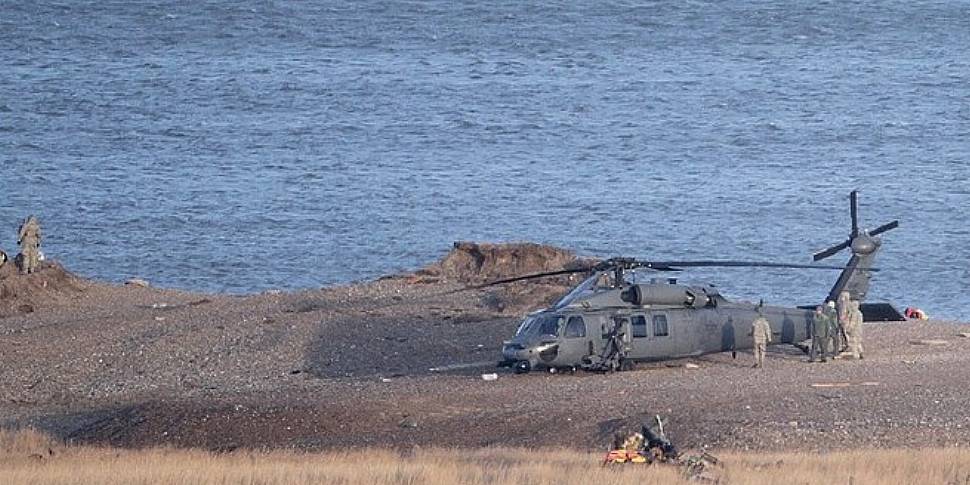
x,y
761,331
842,307
29,240
820,335
835,329
853,330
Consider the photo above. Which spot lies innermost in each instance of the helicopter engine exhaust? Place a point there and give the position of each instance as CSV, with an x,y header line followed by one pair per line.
x,y
665,294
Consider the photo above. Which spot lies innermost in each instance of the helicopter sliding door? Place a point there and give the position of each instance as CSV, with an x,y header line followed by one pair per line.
x,y
652,336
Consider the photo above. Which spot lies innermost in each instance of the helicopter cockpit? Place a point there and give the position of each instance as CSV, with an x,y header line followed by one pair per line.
x,y
598,281
538,325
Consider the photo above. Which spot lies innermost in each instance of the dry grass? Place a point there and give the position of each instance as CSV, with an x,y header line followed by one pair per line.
x,y
28,457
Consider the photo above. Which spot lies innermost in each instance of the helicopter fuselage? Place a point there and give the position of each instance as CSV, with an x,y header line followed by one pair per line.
x,y
570,335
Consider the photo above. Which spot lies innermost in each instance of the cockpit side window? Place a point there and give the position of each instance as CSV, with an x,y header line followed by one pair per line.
x,y
549,326
541,325
575,327
640,326
660,326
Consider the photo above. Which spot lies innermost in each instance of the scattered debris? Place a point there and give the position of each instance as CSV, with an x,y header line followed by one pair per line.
x,y
964,334
910,362
928,342
691,365
489,377
137,282
843,384
470,365
385,379
650,447
408,422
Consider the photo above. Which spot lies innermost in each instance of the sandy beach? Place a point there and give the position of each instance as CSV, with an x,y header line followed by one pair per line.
x,y
397,362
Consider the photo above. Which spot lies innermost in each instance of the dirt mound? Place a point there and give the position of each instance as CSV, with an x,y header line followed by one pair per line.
x,y
473,262
24,293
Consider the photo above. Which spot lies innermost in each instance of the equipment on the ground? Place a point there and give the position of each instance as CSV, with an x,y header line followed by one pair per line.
x,y
653,448
609,320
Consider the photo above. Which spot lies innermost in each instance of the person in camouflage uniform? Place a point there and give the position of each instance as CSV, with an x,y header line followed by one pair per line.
x,y
853,330
842,309
820,335
29,240
761,332
835,329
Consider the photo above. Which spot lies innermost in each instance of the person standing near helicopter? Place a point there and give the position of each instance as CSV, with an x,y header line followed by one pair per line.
x,y
761,332
835,329
820,335
853,329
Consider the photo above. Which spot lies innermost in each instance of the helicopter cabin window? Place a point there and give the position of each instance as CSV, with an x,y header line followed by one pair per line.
x,y
575,327
660,326
640,326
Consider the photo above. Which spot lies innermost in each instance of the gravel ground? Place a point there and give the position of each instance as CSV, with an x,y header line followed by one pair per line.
x,y
350,366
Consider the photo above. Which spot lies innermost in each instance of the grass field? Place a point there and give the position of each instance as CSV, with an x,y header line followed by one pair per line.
x,y
28,457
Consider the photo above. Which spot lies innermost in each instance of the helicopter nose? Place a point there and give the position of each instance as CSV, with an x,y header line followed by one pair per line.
x,y
512,351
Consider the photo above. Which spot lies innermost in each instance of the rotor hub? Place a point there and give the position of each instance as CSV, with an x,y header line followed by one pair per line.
x,y
864,244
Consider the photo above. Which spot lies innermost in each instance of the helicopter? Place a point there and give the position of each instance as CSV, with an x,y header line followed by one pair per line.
x,y
609,321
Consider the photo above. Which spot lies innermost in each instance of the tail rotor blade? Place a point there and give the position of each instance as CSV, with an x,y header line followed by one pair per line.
x,y
883,228
832,250
854,211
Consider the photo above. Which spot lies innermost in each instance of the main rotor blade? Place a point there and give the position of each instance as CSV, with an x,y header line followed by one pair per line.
x,y
854,211
883,228
832,250
528,277
737,264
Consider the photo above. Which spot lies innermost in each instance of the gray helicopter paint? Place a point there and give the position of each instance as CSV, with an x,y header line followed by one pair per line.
x,y
664,332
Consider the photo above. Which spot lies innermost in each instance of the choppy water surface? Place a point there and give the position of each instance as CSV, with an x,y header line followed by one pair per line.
x,y
241,146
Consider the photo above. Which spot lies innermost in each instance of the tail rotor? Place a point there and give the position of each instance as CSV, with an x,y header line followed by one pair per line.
x,y
863,244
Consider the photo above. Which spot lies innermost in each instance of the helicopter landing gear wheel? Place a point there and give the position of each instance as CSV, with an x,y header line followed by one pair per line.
x,y
522,367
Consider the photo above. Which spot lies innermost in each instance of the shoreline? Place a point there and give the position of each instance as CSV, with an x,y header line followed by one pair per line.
x,y
349,366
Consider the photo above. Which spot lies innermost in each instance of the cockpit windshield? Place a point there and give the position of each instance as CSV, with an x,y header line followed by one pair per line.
x,y
540,325
586,286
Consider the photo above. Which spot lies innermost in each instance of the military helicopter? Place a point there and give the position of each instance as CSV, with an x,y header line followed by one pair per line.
x,y
609,321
